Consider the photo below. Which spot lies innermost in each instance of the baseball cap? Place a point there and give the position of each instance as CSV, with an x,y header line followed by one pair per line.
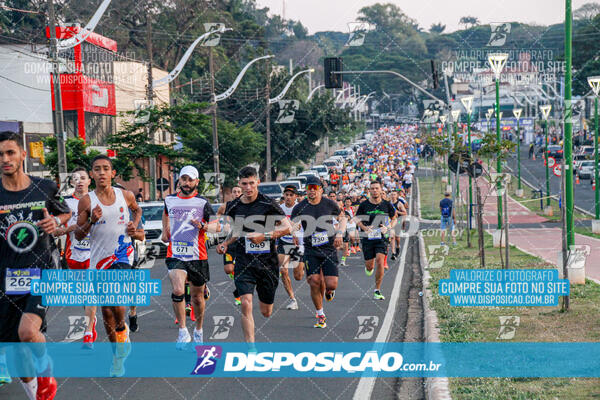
x,y
313,180
190,171
290,188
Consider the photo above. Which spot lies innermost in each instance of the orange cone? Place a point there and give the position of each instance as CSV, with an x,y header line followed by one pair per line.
x,y
533,157
577,179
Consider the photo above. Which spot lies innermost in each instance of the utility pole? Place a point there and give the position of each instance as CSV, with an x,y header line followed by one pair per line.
x,y
268,122
215,133
150,96
568,126
59,123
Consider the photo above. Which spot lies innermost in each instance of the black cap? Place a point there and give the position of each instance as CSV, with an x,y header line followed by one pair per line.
x,y
313,180
290,188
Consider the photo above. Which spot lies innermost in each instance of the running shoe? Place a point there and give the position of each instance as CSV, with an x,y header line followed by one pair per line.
x,y
348,253
183,339
369,273
206,292
94,332
329,295
46,389
358,250
4,375
353,250
117,368
343,263
231,276
238,301
133,325
378,296
188,309
292,304
394,257
321,321
123,347
88,341
198,336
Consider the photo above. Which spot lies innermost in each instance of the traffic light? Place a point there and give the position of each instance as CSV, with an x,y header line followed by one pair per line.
x,y
333,81
434,75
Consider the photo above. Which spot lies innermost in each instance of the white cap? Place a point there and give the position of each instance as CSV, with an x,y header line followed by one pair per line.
x,y
190,171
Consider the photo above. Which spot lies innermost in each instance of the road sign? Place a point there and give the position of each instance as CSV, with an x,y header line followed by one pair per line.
x,y
465,161
557,170
551,162
475,170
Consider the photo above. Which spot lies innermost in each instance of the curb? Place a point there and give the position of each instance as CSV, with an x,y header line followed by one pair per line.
x,y
435,388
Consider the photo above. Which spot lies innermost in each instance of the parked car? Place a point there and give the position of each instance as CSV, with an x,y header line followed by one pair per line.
x,y
301,179
322,170
331,164
271,189
346,153
297,184
586,169
587,151
555,151
152,223
308,173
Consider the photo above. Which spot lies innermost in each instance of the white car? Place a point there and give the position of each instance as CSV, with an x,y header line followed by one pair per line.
x,y
322,171
586,169
297,184
331,164
152,223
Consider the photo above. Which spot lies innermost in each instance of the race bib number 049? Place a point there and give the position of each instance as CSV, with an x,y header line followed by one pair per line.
x,y
83,245
18,280
260,248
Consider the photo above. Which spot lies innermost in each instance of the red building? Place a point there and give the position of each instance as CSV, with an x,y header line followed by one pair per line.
x,y
87,86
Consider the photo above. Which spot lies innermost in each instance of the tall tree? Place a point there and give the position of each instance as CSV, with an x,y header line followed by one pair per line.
x,y
437,28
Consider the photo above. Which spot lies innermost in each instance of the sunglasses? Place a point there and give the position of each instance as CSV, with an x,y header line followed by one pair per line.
x,y
312,187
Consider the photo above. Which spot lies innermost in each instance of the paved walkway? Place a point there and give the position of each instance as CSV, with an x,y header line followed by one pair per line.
x,y
543,242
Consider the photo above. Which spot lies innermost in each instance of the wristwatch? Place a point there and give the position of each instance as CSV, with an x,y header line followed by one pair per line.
x,y
268,236
57,220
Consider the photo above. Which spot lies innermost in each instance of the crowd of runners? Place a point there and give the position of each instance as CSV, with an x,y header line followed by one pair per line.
x,y
361,210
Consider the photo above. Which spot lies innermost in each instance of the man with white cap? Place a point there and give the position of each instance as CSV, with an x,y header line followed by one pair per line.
x,y
185,221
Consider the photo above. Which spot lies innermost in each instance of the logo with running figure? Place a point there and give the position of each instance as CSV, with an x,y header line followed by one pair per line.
x,y
366,326
207,359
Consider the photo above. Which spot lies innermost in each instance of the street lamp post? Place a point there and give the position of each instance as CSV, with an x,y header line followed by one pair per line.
x,y
443,119
545,109
268,112
497,62
517,113
467,103
455,115
594,82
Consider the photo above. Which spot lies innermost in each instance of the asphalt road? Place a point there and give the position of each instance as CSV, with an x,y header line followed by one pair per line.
x,y
534,172
354,299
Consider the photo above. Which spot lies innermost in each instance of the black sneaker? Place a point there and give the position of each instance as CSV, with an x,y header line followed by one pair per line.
x,y
206,292
133,325
394,257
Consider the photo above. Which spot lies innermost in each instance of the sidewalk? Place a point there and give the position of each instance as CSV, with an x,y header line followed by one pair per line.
x,y
541,242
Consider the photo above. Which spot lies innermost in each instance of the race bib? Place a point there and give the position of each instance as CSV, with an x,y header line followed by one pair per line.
x,y
183,249
351,226
374,234
288,238
319,239
83,244
18,280
260,248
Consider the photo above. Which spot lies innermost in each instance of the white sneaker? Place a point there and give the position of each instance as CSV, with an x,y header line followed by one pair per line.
x,y
292,304
183,339
198,336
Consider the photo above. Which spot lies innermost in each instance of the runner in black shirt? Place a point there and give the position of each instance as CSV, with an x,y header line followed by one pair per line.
x,y
320,243
375,218
256,263
30,211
